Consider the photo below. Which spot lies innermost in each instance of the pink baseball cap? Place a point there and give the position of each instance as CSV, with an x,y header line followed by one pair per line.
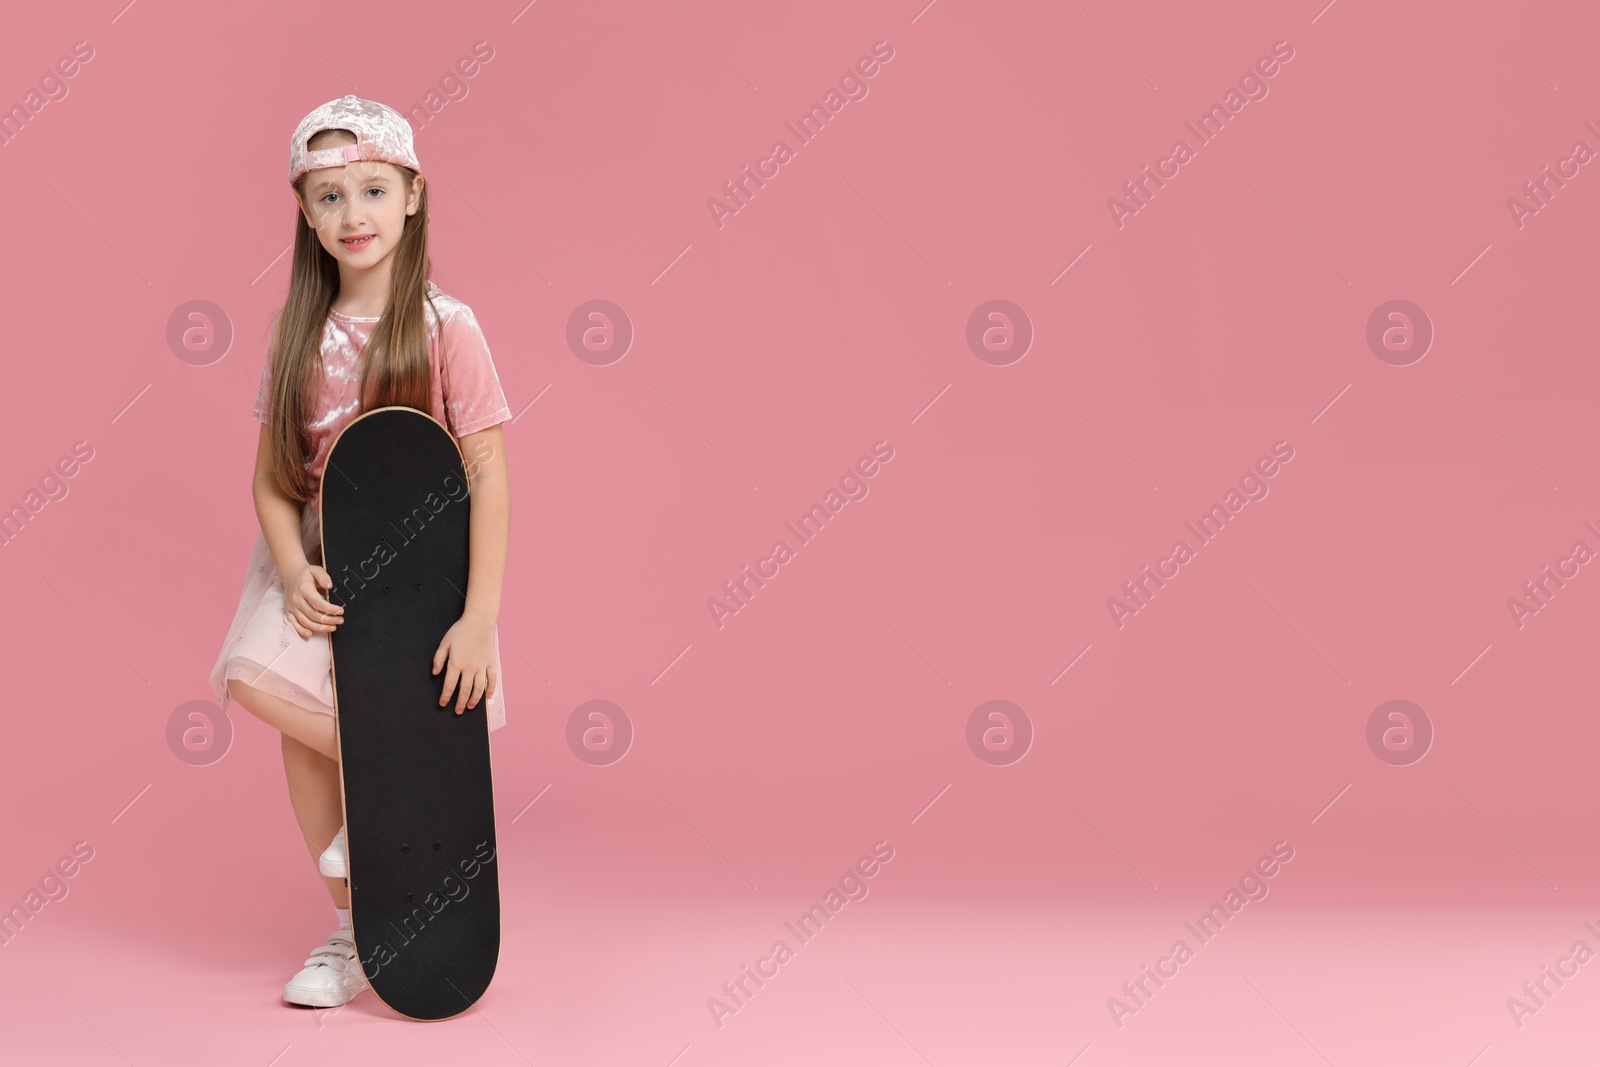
x,y
382,134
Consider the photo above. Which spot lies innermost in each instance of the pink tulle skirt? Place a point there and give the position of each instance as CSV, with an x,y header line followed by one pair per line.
x,y
263,650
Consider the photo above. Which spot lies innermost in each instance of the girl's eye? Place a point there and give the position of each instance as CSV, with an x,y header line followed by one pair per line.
x,y
373,189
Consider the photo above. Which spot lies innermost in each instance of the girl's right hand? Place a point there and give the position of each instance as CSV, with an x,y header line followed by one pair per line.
x,y
308,609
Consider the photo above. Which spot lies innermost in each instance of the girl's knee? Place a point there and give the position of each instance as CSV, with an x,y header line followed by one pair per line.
x,y
299,750
300,753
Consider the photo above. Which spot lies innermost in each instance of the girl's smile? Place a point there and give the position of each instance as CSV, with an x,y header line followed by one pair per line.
x,y
358,242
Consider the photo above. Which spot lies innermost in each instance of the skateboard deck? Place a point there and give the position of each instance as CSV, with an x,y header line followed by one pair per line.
x,y
418,798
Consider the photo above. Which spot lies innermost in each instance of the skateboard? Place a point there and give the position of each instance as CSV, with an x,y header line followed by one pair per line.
x,y
418,797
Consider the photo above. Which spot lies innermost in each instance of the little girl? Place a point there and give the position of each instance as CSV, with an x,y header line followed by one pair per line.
x,y
362,327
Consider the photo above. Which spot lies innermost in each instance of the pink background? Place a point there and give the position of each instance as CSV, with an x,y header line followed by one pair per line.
x,y
828,314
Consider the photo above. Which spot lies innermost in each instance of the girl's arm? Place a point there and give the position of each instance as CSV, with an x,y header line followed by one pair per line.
x,y
485,454
468,648
280,525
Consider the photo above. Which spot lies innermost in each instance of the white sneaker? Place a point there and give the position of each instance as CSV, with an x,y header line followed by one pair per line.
x,y
332,976
332,863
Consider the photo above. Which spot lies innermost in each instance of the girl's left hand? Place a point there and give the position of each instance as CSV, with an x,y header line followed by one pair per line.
x,y
468,649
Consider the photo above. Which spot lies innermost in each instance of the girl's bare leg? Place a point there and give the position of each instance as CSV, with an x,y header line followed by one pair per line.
x,y
314,792
310,728
311,767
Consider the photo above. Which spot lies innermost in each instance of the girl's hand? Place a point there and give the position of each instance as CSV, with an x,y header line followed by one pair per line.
x,y
468,646
309,610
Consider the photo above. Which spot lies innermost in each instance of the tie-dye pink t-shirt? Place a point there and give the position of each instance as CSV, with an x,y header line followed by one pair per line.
x,y
466,390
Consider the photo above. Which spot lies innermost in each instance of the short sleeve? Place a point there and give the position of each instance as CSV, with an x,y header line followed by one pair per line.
x,y
264,389
473,399
260,412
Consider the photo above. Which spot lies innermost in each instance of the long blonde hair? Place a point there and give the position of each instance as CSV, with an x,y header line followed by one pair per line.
x,y
395,368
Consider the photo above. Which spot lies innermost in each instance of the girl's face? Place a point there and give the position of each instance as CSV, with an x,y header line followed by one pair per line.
x,y
359,210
